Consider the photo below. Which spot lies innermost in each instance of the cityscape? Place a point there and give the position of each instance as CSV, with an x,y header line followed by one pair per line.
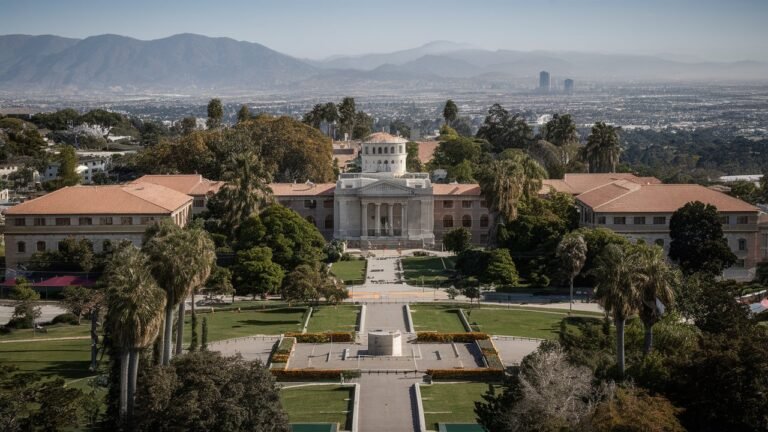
x,y
505,217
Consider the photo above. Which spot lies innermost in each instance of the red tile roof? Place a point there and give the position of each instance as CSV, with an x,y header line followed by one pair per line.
x,y
628,197
470,189
190,184
302,189
578,183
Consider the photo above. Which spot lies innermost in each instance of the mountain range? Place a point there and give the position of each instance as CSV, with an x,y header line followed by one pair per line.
x,y
194,63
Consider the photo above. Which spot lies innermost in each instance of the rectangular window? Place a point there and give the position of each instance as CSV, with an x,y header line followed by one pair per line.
x,y
105,220
639,220
742,244
21,247
447,204
725,220
328,204
41,246
659,220
742,220
310,203
126,220
466,204
146,220
601,220
85,221
199,202
619,220
39,221
63,221
19,221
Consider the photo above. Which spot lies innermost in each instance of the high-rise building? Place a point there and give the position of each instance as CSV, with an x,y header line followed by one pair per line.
x,y
543,81
568,86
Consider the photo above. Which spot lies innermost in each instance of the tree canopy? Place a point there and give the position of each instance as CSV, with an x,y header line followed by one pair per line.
x,y
697,242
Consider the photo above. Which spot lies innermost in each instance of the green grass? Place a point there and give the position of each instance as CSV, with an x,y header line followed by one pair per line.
x,y
342,318
232,324
436,317
52,331
517,322
451,403
68,359
431,269
319,404
349,270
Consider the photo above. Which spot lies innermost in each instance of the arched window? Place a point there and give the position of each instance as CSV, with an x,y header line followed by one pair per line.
x,y
401,148
311,220
21,247
392,149
41,246
385,150
466,221
659,242
386,162
329,221
379,150
447,221
366,149
484,221
392,162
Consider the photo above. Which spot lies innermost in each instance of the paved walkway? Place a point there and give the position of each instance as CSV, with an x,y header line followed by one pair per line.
x,y
388,403
250,347
386,317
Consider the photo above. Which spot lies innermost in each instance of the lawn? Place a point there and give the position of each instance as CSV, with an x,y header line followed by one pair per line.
x,y
349,270
52,331
516,322
68,359
436,317
433,271
319,404
232,324
342,318
451,403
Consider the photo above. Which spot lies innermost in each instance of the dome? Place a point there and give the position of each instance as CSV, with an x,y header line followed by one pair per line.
x,y
384,138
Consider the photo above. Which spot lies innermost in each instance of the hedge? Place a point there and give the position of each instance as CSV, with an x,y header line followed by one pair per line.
x,y
322,337
450,337
466,374
314,374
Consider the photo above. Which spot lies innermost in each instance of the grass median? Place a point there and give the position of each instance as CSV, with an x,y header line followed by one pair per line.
x,y
319,404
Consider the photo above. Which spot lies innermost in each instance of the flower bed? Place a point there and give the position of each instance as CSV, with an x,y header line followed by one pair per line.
x,y
490,353
314,374
466,374
450,337
282,352
322,337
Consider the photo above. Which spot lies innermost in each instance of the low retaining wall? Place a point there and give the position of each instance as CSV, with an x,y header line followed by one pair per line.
x,y
408,319
464,320
306,321
420,408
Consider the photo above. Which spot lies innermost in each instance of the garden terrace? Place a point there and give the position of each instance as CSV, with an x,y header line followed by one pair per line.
x,y
319,404
431,271
451,403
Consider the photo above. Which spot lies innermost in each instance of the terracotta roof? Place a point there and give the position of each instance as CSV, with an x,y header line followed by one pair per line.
x,y
628,197
471,189
578,183
302,189
427,150
383,137
136,198
190,184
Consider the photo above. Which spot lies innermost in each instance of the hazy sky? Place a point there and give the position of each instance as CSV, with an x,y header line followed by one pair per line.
x,y
708,29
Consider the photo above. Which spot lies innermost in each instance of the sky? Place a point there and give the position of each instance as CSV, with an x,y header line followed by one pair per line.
x,y
718,30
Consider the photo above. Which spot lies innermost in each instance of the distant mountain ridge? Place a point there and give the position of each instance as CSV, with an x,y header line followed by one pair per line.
x,y
194,63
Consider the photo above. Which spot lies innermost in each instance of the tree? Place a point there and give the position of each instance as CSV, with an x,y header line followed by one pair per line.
x,y
656,288
363,125
219,283
135,317
698,244
745,190
602,149
188,125
76,300
632,409
412,161
244,114
205,391
24,311
452,293
247,188
255,273
301,284
450,112
501,269
215,114
67,165
400,128
471,292
457,240
505,131
331,115
347,116
617,291
572,251
560,131
314,117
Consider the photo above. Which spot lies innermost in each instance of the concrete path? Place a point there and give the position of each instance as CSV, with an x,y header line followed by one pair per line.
x,y
250,347
385,317
388,403
48,312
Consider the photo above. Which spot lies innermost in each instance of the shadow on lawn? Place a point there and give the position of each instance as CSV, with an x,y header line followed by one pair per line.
x,y
253,322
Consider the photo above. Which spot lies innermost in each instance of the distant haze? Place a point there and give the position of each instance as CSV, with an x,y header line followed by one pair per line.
x,y
685,30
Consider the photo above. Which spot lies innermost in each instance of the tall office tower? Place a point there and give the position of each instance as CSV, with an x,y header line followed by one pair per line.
x,y
568,86
544,81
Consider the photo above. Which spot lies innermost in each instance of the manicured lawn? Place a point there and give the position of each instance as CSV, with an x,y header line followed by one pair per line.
x,y
68,359
349,270
516,322
53,331
436,317
342,318
232,324
319,404
433,270
451,403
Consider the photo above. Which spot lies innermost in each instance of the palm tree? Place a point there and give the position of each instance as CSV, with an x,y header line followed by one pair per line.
x,y
602,149
202,251
247,187
331,116
572,251
617,290
135,316
656,288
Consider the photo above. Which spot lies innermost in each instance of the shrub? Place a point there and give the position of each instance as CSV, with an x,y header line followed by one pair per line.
x,y
65,318
314,374
322,337
421,254
20,323
466,374
449,337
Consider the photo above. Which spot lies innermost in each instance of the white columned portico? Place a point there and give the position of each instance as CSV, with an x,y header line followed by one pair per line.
x,y
364,218
377,231
391,219
404,219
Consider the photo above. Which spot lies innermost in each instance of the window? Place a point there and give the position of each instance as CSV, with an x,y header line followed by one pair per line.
x,y
41,246
483,204
447,204
466,221
659,220
639,220
39,221
484,221
311,220
380,150
401,148
366,150
619,220
659,242
725,220
329,222
105,220
21,247
447,221
19,221
328,204
601,220
385,151
63,221
742,220
310,203
85,221
466,204
742,244
199,202
146,220
126,220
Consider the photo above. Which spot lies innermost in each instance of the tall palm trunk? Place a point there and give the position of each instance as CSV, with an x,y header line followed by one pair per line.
x,y
570,305
620,346
648,340
94,338
133,373
168,331
123,407
180,327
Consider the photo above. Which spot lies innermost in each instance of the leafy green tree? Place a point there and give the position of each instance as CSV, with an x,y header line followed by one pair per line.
x,y
632,409
504,130
698,244
455,151
347,115
21,139
744,190
501,269
657,287
58,120
412,161
24,310
450,112
77,300
67,165
400,128
314,117
215,114
243,114
255,273
602,149
461,173
301,284
219,283
597,240
188,125
331,115
247,188
457,240
226,393
561,130
363,125
572,251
